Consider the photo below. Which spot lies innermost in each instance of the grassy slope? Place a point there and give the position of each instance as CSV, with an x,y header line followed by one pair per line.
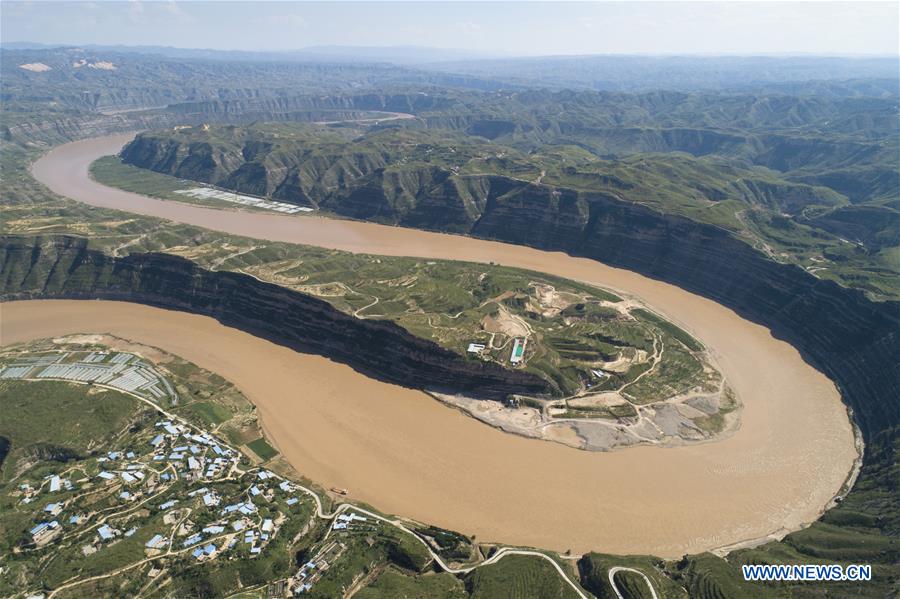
x,y
49,412
518,577
392,584
52,425
61,417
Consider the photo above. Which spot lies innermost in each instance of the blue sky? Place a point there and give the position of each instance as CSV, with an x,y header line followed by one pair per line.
x,y
503,28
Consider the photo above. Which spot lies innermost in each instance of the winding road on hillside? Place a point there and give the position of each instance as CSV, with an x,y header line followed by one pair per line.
x,y
407,454
319,513
616,569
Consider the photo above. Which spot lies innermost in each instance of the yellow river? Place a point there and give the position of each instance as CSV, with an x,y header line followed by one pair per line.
x,y
407,454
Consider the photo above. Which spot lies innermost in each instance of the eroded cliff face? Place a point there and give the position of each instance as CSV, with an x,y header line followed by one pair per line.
x,y
381,178
54,129
66,267
854,340
277,108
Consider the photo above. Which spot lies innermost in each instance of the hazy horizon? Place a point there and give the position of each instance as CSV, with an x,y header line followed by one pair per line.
x,y
16,44
479,29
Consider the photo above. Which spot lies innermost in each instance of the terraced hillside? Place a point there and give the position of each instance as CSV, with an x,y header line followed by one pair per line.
x,y
460,326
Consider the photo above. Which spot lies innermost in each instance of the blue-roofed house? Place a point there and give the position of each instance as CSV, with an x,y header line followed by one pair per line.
x,y
106,532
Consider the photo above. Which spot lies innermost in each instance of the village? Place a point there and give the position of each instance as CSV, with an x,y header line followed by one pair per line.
x,y
179,490
178,478
182,488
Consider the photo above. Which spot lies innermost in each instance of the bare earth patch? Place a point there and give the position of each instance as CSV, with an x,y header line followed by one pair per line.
x,y
506,323
36,67
116,344
608,420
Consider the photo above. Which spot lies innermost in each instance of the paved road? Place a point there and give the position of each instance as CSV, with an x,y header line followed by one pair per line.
x,y
322,514
612,582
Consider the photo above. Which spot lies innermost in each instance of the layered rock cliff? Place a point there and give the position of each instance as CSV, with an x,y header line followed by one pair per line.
x,y
439,180
66,267
60,128
854,340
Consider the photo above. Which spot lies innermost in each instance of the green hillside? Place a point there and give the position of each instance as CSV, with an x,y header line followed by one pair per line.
x,y
454,180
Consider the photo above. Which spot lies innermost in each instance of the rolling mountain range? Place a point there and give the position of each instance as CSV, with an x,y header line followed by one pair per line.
x,y
803,179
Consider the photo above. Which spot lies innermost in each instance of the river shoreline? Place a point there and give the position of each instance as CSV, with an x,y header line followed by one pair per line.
x,y
407,454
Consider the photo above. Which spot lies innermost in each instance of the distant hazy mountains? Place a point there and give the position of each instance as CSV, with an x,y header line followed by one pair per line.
x,y
768,74
405,55
835,75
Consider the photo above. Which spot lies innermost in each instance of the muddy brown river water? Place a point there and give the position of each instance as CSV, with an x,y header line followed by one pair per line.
x,y
407,454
